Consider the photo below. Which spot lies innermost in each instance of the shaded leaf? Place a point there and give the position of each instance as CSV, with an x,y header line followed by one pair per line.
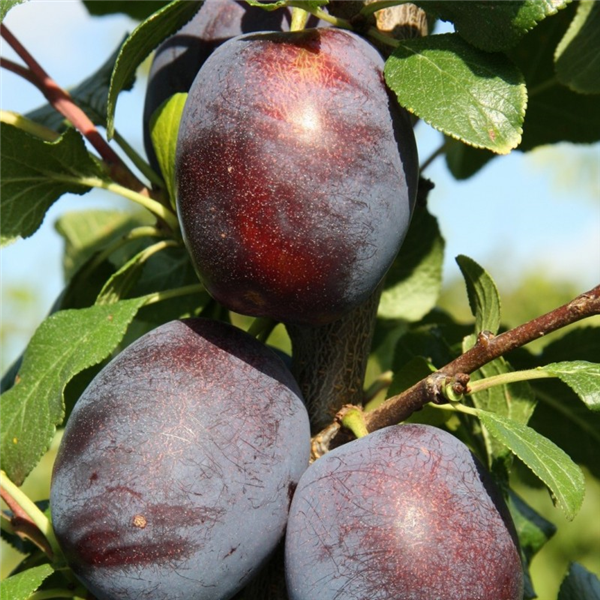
x,y
464,161
166,270
90,95
554,112
562,417
493,26
145,38
582,343
577,57
533,531
164,127
484,298
63,345
36,173
21,586
579,584
552,465
427,342
471,95
413,283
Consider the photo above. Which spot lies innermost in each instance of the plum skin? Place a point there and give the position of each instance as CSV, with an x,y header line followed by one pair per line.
x,y
405,513
179,58
174,476
296,174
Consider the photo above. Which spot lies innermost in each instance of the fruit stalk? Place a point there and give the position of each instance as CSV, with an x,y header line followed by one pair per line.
x,y
329,361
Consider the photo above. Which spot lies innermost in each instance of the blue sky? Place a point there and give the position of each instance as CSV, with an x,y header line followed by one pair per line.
x,y
521,213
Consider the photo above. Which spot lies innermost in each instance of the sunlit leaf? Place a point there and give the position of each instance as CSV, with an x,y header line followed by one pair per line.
x,y
471,95
22,585
66,343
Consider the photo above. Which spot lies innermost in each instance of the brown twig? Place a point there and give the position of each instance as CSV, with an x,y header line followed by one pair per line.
x,y
64,104
19,70
488,347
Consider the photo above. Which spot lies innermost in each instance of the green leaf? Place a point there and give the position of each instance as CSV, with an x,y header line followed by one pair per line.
x,y
471,95
413,283
64,344
582,377
87,231
577,57
146,36
139,10
563,418
514,401
123,280
6,5
90,95
462,160
534,532
484,298
579,584
35,174
493,26
164,128
21,586
167,270
552,465
554,112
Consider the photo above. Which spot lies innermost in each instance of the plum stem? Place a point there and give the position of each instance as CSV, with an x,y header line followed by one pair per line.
x,y
261,328
299,19
329,361
24,508
328,18
137,160
354,420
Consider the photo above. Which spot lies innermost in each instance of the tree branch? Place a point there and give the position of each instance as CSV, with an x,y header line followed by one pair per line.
x,y
488,347
62,102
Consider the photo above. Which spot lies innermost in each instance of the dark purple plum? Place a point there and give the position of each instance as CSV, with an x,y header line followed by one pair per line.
x,y
178,59
174,476
405,513
296,174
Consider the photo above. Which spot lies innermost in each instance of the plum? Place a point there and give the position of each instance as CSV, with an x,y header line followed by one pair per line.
x,y
296,173
178,59
174,476
405,513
